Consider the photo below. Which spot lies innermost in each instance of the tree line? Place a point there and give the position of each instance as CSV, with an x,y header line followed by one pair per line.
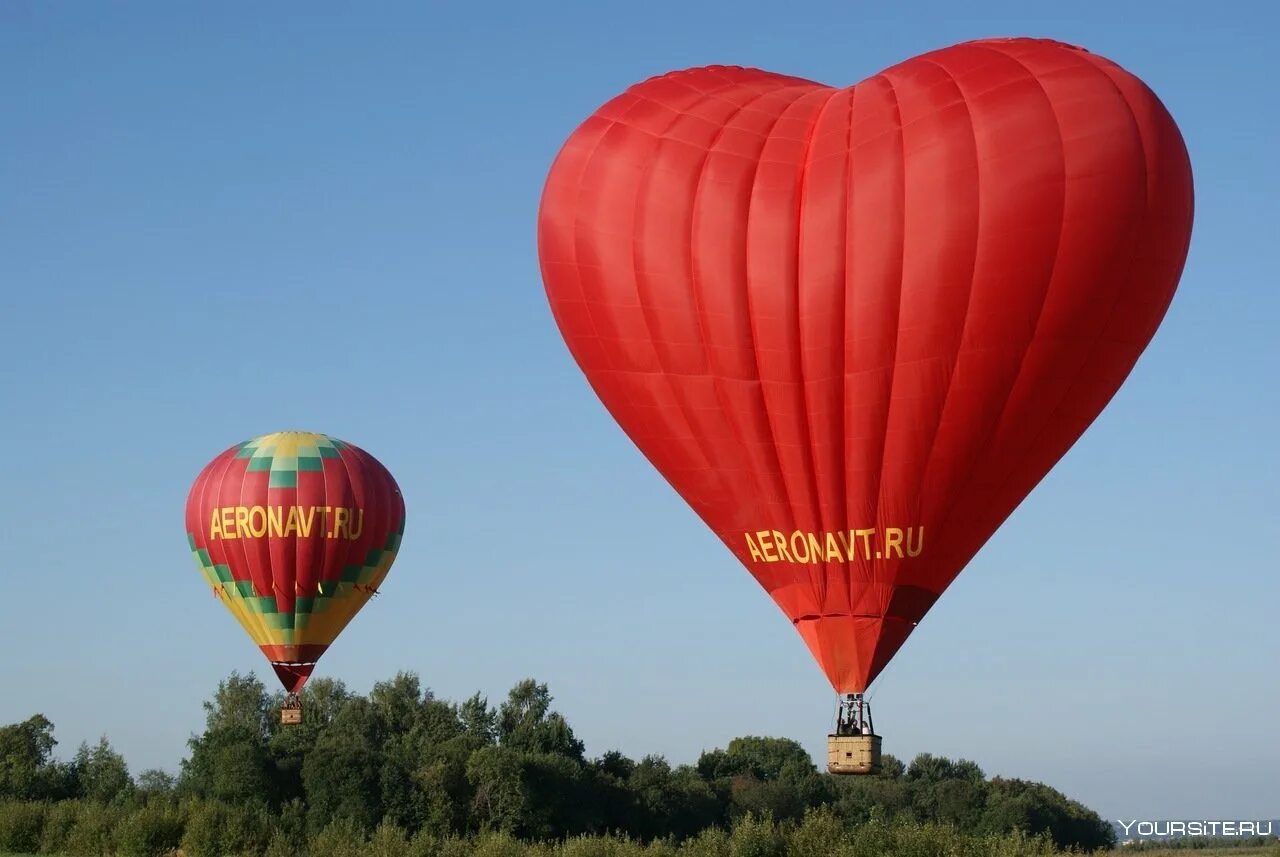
x,y
400,759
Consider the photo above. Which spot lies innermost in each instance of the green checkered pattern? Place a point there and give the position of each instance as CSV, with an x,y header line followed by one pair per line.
x,y
265,454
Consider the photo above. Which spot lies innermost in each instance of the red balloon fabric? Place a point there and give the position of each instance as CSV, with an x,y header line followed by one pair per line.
x,y
854,327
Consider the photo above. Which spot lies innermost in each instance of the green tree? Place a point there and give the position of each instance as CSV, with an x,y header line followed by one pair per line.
x,y
232,759
859,799
499,801
558,800
929,768
322,699
676,803
445,790
1036,808
241,706
957,801
772,777
25,752
342,774
102,772
526,723
767,758
697,804
398,703
154,782
242,773
478,719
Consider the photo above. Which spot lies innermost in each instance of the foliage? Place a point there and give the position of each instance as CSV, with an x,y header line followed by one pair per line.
x,y
398,771
343,837
21,825
59,822
214,829
93,833
151,831
27,768
101,772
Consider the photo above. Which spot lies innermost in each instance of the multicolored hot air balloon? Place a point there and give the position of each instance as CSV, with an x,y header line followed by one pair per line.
x,y
854,327
294,533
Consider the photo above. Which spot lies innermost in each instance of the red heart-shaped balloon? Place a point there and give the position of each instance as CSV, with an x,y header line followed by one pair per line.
x,y
855,327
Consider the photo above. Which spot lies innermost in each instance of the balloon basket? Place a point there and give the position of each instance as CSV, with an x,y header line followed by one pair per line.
x,y
853,754
291,713
854,748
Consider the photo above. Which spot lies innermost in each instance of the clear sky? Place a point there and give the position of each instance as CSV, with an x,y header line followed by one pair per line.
x,y
219,220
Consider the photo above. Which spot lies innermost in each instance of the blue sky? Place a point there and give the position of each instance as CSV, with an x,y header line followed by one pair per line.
x,y
225,220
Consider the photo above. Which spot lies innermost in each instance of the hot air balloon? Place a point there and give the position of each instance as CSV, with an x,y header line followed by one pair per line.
x,y
294,532
854,327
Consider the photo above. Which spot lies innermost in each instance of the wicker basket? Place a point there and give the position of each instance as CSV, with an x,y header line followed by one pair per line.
x,y
853,754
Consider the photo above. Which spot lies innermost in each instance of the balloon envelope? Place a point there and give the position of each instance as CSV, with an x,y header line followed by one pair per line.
x,y
854,327
294,532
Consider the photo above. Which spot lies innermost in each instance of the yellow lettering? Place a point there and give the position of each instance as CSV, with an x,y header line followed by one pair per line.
x,y
800,546
291,525
354,532
815,549
780,542
865,535
848,544
242,522
892,539
275,521
307,522
766,546
339,523
914,549
229,523
215,526
803,542
254,529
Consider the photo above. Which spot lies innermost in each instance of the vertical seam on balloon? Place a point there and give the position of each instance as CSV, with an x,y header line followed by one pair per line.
x,y
963,485
577,219
577,197
244,552
638,209
731,416
847,281
204,488
277,586
293,541
968,300
243,616
743,457
893,365
352,598
252,622
249,621
388,488
820,586
746,288
325,546
385,496
1132,240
